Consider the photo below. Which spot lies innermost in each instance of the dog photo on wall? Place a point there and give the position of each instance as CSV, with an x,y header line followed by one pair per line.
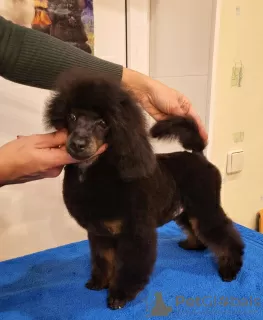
x,y
71,21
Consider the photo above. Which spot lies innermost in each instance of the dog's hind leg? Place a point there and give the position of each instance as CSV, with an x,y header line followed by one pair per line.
x,y
103,258
135,257
218,233
192,242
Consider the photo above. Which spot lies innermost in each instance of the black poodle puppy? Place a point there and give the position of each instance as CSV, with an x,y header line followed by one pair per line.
x,y
121,196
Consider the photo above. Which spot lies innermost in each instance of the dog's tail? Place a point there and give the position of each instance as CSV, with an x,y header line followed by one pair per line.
x,y
184,129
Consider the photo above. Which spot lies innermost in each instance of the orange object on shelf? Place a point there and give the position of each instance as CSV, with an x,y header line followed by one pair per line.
x,y
41,4
260,221
41,18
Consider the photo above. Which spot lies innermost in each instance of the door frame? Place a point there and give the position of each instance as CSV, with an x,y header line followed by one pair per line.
x,y
211,98
138,35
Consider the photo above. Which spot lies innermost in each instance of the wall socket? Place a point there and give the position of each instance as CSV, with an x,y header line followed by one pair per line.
x,y
237,74
235,161
238,136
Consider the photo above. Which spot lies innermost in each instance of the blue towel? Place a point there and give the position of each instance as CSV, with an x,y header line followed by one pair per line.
x,y
184,285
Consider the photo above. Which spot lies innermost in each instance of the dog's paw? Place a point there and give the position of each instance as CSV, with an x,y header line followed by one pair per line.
x,y
186,245
116,303
97,285
229,273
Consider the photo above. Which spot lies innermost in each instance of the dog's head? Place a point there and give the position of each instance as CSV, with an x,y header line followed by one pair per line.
x,y
95,111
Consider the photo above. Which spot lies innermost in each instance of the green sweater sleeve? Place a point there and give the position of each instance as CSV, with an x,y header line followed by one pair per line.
x,y
35,59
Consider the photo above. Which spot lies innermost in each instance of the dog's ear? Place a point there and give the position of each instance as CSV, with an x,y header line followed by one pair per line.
x,y
134,155
57,108
55,116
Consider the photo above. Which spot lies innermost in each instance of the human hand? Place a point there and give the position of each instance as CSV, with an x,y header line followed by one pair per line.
x,y
159,100
33,157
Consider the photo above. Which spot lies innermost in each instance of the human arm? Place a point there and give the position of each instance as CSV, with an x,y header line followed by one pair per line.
x,y
33,58
36,59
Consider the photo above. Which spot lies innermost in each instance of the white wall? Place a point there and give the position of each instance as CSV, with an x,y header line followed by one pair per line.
x,y
32,215
239,109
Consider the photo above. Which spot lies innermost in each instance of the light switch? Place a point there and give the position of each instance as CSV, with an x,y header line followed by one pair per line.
x,y
235,161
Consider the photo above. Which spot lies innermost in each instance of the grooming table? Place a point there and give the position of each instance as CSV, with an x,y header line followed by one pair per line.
x,y
184,285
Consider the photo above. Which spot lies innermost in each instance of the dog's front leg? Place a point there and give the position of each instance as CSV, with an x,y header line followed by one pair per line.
x,y
135,257
103,257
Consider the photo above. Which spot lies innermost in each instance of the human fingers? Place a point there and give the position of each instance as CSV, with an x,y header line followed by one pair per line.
x,y
187,109
192,113
47,140
64,158
53,172
54,157
50,140
102,149
60,157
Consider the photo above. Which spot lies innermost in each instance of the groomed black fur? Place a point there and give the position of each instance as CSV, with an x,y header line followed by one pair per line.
x,y
183,128
123,195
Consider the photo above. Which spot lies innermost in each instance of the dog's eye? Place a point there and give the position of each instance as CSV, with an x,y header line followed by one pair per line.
x,y
72,117
102,124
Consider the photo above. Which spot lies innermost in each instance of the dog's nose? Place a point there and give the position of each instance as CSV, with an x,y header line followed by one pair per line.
x,y
78,145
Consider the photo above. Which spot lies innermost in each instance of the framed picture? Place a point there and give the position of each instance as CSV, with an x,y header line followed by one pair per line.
x,y
71,21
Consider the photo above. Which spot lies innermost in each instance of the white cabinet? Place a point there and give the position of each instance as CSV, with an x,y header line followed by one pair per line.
x,y
181,42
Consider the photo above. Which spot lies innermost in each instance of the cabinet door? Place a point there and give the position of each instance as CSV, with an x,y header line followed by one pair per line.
x,y
180,49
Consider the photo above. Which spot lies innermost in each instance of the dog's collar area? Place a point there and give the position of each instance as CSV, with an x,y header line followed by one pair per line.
x,y
83,166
